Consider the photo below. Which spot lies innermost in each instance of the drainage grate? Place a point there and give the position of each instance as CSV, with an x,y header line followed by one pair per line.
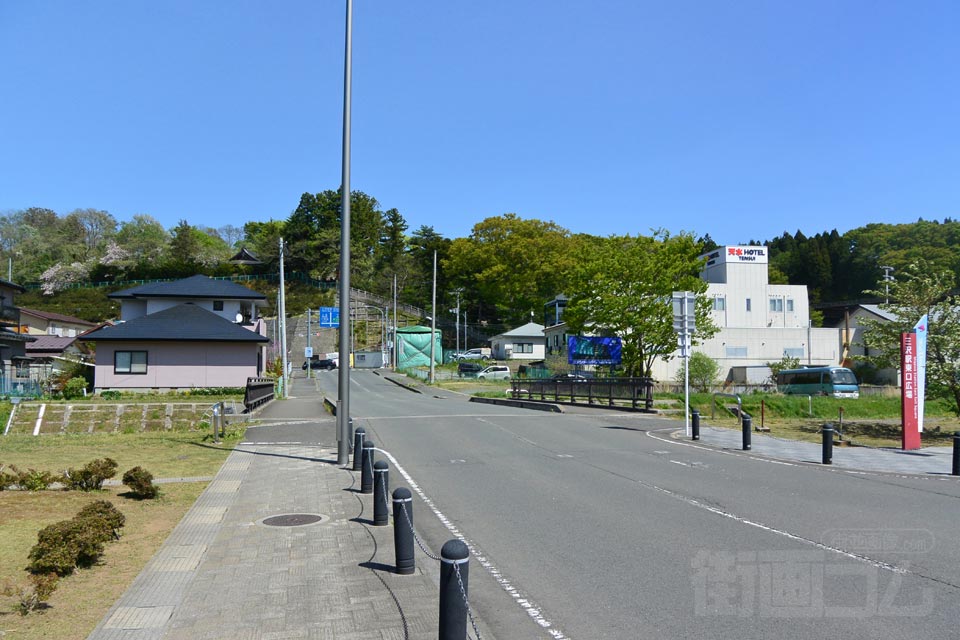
x,y
293,520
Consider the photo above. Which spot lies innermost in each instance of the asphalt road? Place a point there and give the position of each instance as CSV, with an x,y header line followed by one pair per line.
x,y
596,524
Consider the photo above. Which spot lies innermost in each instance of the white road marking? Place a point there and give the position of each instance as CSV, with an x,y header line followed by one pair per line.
x,y
528,606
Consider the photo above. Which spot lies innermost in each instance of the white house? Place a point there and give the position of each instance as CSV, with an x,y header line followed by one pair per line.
x,y
523,343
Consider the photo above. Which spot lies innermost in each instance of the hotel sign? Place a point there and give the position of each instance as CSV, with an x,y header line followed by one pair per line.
x,y
756,255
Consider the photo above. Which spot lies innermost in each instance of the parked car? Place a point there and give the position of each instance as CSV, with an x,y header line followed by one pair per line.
x,y
474,354
495,372
469,369
316,362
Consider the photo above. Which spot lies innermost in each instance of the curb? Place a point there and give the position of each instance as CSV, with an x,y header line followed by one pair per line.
x,y
520,404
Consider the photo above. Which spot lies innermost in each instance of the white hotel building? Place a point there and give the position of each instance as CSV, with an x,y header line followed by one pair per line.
x,y
759,322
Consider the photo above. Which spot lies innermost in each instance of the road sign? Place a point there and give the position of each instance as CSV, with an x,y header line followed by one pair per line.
x,y
308,352
684,318
330,317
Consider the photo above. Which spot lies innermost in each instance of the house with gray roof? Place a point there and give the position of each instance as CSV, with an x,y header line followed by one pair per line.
x,y
15,376
523,343
190,333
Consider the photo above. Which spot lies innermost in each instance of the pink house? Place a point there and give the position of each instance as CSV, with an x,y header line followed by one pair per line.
x,y
196,332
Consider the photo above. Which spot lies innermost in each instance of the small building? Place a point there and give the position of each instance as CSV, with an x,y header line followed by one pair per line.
x,y
15,374
189,333
523,343
47,323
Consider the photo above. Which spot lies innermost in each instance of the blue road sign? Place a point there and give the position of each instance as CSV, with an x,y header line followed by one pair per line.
x,y
330,317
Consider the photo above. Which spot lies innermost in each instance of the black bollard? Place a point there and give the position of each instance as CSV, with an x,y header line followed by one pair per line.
x,y
827,444
403,531
381,485
747,427
358,437
454,556
956,453
366,473
695,424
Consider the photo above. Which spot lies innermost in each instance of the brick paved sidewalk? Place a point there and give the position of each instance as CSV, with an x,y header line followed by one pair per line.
x,y
222,573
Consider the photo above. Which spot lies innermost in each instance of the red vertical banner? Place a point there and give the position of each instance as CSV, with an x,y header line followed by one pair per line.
x,y
908,391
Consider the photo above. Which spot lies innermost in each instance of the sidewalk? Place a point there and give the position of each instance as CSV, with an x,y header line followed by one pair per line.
x,y
927,461
226,573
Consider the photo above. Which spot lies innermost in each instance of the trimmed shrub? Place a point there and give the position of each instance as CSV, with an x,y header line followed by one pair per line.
x,y
65,545
104,514
140,482
33,480
92,476
74,388
110,395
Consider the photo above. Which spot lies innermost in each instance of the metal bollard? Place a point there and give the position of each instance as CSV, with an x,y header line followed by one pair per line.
x,y
454,556
827,444
956,453
213,420
358,437
366,474
695,424
350,432
381,484
747,428
403,531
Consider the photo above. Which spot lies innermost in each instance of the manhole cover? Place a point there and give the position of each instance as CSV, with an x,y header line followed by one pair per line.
x,y
293,520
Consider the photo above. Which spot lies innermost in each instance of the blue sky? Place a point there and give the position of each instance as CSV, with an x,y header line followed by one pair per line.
x,y
738,119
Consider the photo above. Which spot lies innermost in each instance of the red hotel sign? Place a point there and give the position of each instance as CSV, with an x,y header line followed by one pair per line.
x,y
908,391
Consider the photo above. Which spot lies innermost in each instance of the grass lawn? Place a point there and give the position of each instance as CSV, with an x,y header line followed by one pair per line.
x,y
83,598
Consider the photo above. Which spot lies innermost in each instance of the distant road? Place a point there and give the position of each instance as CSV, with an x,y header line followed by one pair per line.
x,y
601,526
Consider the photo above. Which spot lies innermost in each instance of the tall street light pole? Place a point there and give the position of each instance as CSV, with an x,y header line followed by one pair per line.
x,y
282,313
433,322
343,387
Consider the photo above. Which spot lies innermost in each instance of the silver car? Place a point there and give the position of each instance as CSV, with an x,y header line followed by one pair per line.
x,y
495,372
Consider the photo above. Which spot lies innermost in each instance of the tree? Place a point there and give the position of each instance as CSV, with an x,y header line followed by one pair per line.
x,y
704,372
514,264
96,229
624,288
785,363
145,241
920,290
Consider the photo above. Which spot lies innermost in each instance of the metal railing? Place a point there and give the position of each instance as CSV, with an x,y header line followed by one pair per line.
x,y
713,408
636,391
259,391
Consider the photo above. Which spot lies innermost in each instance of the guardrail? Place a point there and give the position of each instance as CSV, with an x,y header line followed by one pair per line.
x,y
259,391
593,390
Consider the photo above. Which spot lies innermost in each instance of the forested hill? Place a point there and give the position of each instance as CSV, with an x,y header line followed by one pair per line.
x,y
837,267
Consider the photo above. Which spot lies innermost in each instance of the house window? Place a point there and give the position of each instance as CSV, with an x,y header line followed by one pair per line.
x,y
133,362
790,352
790,305
218,305
719,304
776,305
748,304
736,352
523,347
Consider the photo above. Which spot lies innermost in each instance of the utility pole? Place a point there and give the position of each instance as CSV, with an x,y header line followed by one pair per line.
x,y
887,279
458,291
